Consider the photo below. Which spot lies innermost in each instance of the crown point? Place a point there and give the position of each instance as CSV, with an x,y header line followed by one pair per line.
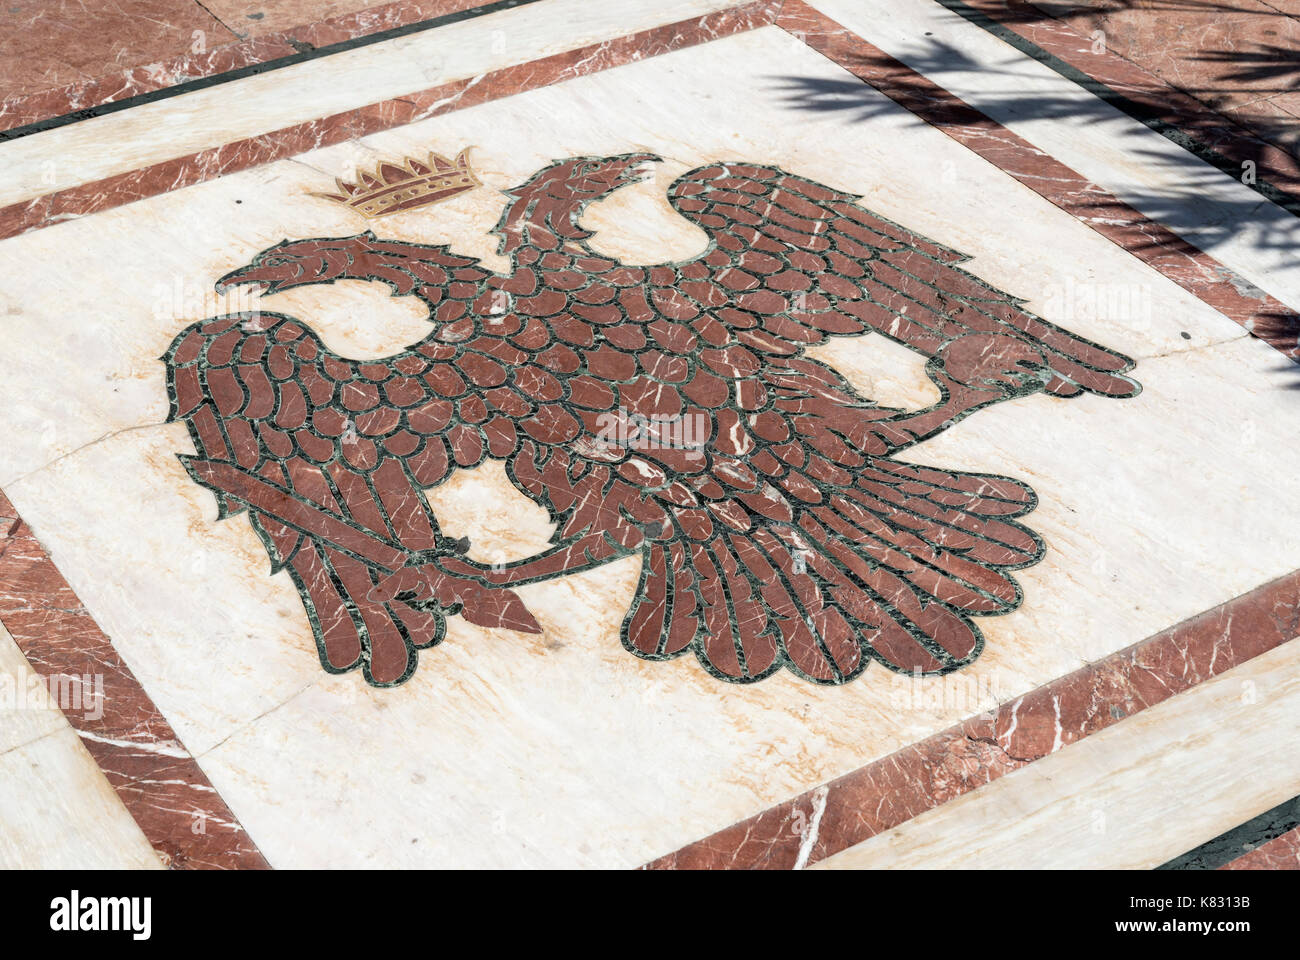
x,y
393,187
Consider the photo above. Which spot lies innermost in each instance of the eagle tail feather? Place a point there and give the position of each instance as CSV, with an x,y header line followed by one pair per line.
x,y
891,569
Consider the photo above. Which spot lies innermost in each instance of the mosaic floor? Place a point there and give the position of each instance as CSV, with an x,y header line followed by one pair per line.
x,y
846,433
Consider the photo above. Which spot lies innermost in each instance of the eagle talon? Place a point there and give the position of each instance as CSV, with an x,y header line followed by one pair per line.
x,y
424,585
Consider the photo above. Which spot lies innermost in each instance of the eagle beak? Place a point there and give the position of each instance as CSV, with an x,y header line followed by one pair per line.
x,y
270,276
639,167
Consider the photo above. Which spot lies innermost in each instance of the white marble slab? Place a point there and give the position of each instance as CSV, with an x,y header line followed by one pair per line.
x,y
56,809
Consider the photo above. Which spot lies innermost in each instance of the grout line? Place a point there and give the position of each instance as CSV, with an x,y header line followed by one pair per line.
x,y
34,740
235,35
233,32
1160,248
13,481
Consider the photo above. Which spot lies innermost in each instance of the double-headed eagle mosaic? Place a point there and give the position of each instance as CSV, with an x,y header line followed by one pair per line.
x,y
667,412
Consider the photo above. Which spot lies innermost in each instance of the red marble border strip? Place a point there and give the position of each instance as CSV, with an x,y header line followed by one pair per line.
x,y
238,155
21,110
1191,268
159,781
1280,853
894,789
1226,137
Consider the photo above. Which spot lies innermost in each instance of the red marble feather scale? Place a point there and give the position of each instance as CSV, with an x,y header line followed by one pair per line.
x,y
667,412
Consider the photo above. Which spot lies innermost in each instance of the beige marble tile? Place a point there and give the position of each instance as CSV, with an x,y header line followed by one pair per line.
x,y
1131,797
56,809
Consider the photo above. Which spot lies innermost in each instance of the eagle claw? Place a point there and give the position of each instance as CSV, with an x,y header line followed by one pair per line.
x,y
427,585
994,361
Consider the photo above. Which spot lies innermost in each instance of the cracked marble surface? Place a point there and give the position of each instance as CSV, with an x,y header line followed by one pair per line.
x,y
323,771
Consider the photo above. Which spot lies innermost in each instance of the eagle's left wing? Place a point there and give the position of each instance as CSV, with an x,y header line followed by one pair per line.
x,y
793,261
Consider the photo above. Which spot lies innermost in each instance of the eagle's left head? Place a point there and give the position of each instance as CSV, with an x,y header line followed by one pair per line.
x,y
544,210
584,179
294,263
